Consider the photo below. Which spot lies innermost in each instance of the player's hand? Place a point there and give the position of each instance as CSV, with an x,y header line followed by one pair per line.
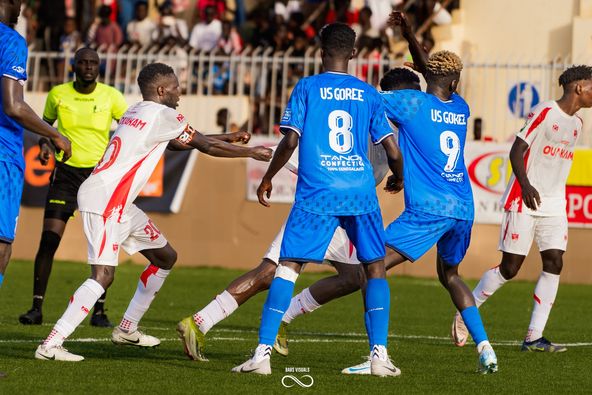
x,y
63,144
394,184
397,18
240,137
261,153
531,197
45,151
264,189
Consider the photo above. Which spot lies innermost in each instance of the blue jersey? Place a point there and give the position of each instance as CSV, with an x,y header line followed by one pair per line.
x,y
13,64
334,113
432,136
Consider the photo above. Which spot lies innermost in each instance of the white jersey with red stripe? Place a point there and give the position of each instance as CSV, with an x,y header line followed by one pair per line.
x,y
135,148
551,135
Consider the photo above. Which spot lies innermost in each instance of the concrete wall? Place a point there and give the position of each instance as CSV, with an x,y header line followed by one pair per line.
x,y
218,227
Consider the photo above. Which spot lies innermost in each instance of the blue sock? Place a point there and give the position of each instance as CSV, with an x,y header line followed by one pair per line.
x,y
277,302
473,322
1,279
368,329
378,303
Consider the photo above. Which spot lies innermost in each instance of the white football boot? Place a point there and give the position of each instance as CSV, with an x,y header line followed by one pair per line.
x,y
380,363
135,338
459,331
363,368
259,363
56,353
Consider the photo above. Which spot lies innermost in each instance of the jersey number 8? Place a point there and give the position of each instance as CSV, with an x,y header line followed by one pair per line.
x,y
341,139
450,146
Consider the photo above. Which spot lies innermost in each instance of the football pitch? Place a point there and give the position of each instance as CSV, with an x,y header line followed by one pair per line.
x,y
321,344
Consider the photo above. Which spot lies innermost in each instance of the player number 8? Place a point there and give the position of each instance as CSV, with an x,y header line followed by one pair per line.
x,y
341,139
450,146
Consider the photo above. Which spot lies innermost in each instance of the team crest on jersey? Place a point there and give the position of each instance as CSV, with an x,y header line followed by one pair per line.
x,y
575,133
555,127
180,118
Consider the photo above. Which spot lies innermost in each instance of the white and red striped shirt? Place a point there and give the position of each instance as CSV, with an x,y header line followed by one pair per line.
x,y
135,148
551,135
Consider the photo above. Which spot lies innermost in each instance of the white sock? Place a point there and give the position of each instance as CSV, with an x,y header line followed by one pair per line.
x,y
263,351
379,352
544,297
483,345
300,304
219,308
149,284
81,302
491,281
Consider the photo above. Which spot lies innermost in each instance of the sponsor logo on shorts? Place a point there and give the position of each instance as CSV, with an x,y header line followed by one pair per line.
x,y
115,247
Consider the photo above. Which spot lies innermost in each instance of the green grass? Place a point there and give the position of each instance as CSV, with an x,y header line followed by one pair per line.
x,y
324,342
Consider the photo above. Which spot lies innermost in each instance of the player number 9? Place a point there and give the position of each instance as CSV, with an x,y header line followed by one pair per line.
x,y
450,146
341,139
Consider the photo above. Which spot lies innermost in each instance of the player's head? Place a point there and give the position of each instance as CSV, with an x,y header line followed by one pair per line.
x,y
577,81
10,9
86,65
443,70
399,78
158,83
337,42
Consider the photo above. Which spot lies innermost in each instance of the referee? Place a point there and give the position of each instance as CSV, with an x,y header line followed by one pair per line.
x,y
84,110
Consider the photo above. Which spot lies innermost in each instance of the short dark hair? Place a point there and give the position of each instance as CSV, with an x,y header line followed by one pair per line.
x,y
397,77
338,40
85,49
149,74
104,11
575,73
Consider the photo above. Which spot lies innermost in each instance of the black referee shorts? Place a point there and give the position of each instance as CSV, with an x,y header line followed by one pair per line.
x,y
61,199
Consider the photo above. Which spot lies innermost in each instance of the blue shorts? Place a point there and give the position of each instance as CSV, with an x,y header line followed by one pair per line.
x,y
415,232
307,235
11,179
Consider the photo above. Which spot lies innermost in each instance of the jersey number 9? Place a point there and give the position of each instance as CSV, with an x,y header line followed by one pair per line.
x,y
450,146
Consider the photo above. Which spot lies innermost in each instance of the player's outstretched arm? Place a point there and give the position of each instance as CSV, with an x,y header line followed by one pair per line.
x,y
282,155
16,108
235,137
530,195
395,161
214,147
419,55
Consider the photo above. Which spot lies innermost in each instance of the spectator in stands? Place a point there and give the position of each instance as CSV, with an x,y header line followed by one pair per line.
x,y
202,5
127,11
230,41
51,15
141,28
206,34
70,39
169,25
364,28
297,21
281,38
105,33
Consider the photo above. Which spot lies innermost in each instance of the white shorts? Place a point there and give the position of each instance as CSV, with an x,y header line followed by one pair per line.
x,y
519,229
340,249
135,232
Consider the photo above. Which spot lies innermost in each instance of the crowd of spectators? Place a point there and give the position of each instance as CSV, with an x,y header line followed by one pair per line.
x,y
226,26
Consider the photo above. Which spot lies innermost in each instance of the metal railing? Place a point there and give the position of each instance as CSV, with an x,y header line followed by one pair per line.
x,y
267,78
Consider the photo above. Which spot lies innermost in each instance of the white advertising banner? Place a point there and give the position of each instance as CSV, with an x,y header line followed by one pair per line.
x,y
284,183
489,170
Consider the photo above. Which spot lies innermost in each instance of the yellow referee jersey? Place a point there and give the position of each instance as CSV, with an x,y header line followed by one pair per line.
x,y
85,119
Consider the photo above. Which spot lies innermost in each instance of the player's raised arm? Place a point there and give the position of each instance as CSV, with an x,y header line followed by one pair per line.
x,y
282,155
419,55
216,147
16,108
530,195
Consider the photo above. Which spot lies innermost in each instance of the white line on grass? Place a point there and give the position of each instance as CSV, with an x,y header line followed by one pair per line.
x,y
305,340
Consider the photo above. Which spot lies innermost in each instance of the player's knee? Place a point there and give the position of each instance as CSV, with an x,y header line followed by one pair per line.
x,y
50,241
352,280
509,270
104,277
552,261
169,259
